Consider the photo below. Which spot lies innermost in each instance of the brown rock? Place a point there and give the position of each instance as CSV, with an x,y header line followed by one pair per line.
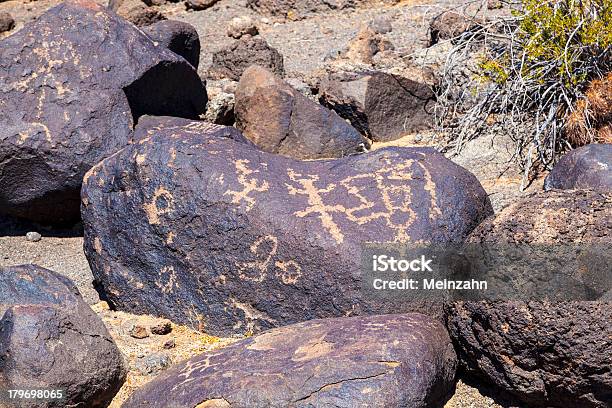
x,y
242,240
241,26
448,25
376,361
169,344
381,106
279,119
200,4
366,44
162,328
136,12
7,23
233,60
545,353
138,332
50,339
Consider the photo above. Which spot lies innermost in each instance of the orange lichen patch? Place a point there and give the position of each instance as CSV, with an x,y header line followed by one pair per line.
x,y
591,120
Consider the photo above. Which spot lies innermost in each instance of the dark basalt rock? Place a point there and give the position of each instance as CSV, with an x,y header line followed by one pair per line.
x,y
279,119
179,37
588,167
50,339
547,354
231,61
376,361
70,95
198,228
381,106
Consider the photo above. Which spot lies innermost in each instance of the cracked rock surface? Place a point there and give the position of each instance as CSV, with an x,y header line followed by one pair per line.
x,y
377,361
51,339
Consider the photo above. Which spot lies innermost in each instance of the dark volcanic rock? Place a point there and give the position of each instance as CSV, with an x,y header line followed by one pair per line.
x,y
136,12
70,95
7,23
190,225
588,167
179,37
544,353
232,61
279,119
50,339
381,106
376,361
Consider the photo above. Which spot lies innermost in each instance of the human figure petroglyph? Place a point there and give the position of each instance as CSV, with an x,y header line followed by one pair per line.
x,y
249,184
395,206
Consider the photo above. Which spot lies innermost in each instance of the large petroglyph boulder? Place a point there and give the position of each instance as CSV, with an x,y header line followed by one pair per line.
x,y
69,96
376,361
212,232
279,119
51,340
546,353
381,106
588,167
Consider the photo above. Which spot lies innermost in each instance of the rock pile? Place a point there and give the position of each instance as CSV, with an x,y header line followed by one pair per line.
x,y
71,94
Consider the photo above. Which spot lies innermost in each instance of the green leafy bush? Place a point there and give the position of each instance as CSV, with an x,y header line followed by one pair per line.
x,y
537,64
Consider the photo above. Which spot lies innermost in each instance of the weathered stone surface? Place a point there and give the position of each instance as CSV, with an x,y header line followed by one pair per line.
x,y
544,353
190,225
588,167
279,119
50,339
366,44
241,26
136,12
7,22
70,95
179,37
376,361
232,61
381,106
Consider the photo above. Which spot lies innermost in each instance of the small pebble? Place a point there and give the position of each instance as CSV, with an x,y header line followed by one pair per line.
x,y
138,332
169,344
33,236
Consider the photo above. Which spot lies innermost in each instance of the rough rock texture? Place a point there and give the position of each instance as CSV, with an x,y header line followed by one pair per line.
x,y
204,230
241,26
50,339
322,363
179,37
279,119
136,12
70,95
381,106
588,167
7,22
232,61
366,44
544,353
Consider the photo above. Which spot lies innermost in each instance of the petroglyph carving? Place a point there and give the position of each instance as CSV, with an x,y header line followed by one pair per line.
x,y
394,206
167,279
161,203
264,249
249,184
